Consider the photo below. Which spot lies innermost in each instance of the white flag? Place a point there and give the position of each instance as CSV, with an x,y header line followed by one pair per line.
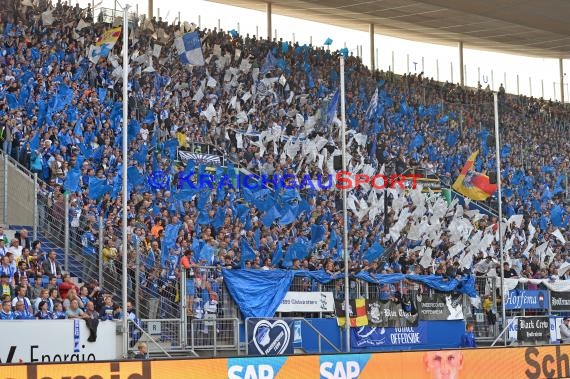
x,y
47,18
156,50
559,236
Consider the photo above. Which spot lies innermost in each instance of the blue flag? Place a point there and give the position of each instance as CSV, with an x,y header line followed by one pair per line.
x,y
247,253
557,216
98,187
373,252
72,180
270,216
277,255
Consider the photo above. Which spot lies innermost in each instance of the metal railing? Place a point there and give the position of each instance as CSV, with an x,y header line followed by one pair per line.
x,y
138,334
214,334
160,334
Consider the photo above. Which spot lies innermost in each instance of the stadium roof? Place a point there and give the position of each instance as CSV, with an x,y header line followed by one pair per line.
x,y
524,27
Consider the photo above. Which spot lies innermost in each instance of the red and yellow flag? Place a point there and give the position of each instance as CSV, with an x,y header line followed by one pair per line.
x,y
357,312
109,37
472,184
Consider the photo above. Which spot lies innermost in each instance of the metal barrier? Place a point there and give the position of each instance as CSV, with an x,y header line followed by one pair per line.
x,y
212,333
162,335
486,319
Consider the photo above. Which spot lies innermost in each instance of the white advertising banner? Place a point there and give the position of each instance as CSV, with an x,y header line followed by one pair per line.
x,y
29,341
307,302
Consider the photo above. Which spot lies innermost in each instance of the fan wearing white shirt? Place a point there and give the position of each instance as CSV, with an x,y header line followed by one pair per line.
x,y
21,296
15,249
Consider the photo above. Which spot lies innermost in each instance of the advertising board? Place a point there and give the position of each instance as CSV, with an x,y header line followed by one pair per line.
x,y
56,341
483,363
310,302
526,299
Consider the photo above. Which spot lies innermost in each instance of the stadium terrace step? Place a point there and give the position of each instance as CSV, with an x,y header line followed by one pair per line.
x,y
48,245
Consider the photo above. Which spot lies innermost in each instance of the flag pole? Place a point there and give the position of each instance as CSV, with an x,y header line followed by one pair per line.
x,y
125,182
498,157
344,211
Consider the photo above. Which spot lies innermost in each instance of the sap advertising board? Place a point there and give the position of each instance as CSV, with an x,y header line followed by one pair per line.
x,y
526,299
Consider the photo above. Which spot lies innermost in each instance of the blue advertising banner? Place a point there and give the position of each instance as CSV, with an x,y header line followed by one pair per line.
x,y
270,337
527,299
367,336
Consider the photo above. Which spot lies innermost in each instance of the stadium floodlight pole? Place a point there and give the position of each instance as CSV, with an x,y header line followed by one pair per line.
x,y
344,211
498,157
125,182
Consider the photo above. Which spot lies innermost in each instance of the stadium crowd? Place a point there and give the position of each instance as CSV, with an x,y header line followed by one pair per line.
x,y
271,108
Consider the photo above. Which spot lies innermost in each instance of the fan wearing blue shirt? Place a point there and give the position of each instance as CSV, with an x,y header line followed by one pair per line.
x,y
6,312
468,338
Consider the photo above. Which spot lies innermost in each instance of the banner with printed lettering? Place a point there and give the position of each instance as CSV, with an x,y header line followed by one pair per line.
x,y
392,314
534,329
307,302
270,337
199,158
367,336
526,299
560,301
440,306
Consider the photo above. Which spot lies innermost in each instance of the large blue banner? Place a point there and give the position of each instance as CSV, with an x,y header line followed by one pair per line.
x,y
527,299
366,336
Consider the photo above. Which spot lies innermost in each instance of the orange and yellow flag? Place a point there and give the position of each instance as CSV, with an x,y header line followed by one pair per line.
x,y
472,184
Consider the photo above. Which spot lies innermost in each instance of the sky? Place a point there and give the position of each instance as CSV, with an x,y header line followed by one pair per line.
x,y
524,75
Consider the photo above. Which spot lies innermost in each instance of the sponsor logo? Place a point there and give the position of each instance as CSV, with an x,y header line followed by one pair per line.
x,y
112,370
271,338
342,180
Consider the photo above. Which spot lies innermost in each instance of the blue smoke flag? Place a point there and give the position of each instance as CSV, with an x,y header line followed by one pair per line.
x,y
98,187
328,42
344,52
189,49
